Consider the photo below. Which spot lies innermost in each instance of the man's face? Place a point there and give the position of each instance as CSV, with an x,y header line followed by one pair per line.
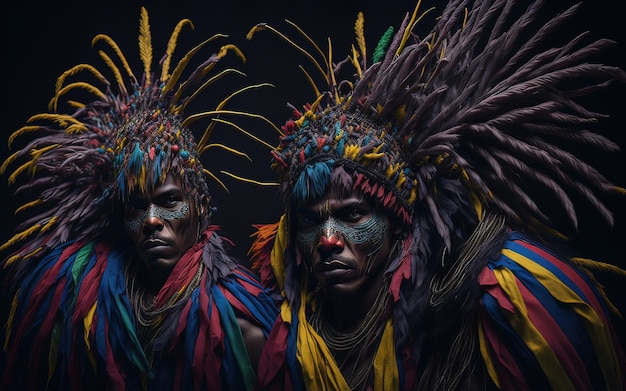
x,y
162,224
345,240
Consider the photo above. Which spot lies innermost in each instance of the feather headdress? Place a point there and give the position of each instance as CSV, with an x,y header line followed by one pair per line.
x,y
477,100
130,132
476,113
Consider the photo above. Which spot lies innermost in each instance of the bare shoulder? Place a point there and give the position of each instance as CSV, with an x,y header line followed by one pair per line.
x,y
254,338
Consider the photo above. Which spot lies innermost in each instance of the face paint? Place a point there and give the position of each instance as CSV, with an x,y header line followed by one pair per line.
x,y
160,213
372,231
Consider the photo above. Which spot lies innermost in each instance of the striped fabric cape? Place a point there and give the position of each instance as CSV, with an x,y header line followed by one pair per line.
x,y
467,133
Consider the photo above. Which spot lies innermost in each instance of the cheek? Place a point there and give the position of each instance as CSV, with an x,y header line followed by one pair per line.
x,y
133,236
186,230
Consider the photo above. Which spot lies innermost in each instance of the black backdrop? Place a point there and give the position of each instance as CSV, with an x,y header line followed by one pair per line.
x,y
42,39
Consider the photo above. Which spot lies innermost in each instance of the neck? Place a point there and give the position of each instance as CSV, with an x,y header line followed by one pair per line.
x,y
352,332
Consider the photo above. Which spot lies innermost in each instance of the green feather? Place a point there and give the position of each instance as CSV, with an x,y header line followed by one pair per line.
x,y
382,45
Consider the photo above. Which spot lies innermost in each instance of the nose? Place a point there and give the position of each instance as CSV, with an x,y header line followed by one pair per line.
x,y
152,220
329,242
330,238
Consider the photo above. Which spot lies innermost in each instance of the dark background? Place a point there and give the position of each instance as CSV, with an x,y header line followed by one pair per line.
x,y
43,39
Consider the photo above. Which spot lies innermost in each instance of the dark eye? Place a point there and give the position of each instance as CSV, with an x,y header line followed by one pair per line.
x,y
135,205
171,201
306,221
354,215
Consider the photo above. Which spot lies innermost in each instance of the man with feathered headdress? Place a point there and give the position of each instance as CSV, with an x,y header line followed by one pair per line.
x,y
416,251
118,280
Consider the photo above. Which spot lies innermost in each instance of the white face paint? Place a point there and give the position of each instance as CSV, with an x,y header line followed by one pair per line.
x,y
372,231
154,211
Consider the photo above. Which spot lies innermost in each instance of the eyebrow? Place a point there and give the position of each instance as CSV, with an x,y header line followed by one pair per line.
x,y
162,191
338,206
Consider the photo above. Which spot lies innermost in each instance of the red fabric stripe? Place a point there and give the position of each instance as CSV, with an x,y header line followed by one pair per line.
x,y
567,270
488,283
199,363
509,373
273,358
557,340
214,351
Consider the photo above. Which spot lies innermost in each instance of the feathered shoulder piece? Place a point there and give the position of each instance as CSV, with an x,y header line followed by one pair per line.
x,y
124,131
483,111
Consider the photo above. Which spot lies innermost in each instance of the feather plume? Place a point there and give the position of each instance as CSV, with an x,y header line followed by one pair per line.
x,y
359,30
145,43
171,45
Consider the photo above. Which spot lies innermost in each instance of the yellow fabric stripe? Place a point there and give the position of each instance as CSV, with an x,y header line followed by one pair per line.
x,y
486,357
278,250
599,335
87,321
558,378
386,376
319,370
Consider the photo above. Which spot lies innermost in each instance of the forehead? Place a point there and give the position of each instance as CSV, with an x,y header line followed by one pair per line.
x,y
171,183
333,198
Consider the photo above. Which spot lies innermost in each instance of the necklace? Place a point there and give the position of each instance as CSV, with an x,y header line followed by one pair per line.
x,y
354,352
150,319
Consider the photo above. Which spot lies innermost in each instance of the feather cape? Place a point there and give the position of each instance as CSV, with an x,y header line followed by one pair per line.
x,y
91,341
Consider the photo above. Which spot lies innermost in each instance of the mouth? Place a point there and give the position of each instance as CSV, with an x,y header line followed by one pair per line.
x,y
333,269
153,243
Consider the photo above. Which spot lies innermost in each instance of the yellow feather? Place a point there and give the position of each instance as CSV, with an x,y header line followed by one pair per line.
x,y
311,82
210,174
171,45
145,43
19,170
589,264
327,63
228,48
8,161
619,189
62,119
263,26
252,136
76,129
412,23
180,67
333,81
79,85
36,153
208,82
599,266
360,34
13,258
221,53
20,236
207,133
9,322
71,72
116,71
250,180
355,62
87,321
194,117
351,151
28,205
21,131
227,148
373,156
116,49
